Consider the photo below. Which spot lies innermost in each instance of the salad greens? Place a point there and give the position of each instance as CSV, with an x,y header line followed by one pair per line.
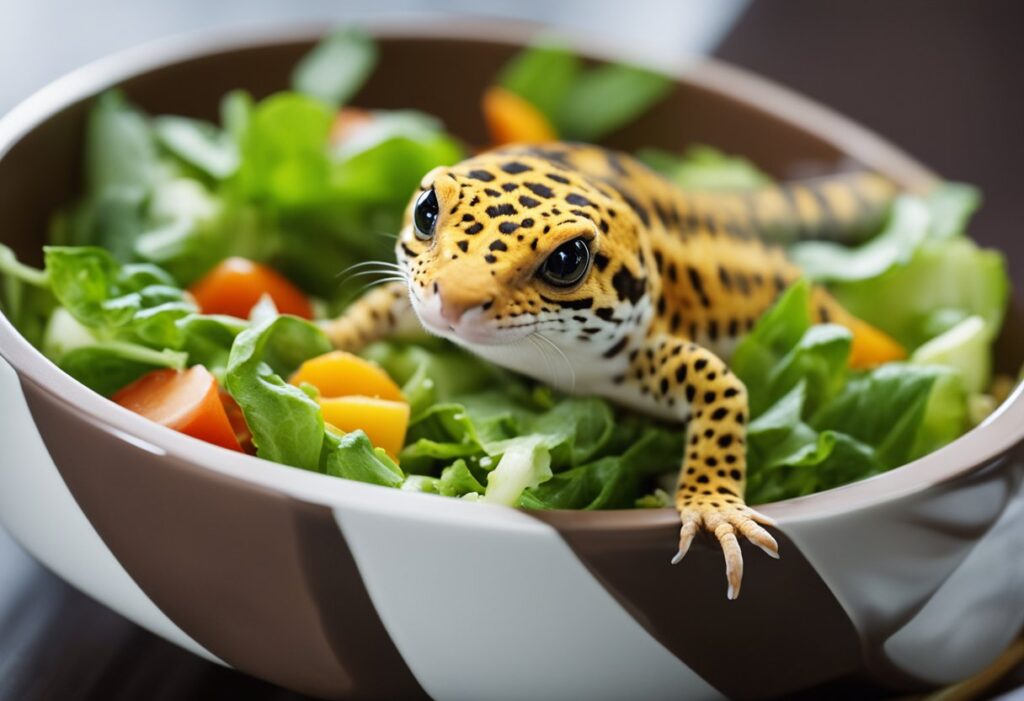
x,y
276,181
816,424
482,433
582,103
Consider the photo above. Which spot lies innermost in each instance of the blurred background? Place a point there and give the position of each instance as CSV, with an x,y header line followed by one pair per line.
x,y
940,78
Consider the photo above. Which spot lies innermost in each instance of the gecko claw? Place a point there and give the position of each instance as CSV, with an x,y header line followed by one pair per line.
x,y
686,533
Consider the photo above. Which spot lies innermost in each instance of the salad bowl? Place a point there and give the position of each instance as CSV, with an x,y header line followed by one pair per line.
x,y
338,589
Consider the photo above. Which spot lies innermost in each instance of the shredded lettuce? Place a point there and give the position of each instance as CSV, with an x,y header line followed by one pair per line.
x,y
488,433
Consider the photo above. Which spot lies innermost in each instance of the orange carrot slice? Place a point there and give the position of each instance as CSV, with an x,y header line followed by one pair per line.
x,y
185,400
511,119
235,285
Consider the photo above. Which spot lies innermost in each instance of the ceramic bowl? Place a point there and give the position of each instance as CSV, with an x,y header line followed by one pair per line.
x,y
342,590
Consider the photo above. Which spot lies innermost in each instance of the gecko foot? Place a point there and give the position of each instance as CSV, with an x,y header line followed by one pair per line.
x,y
725,521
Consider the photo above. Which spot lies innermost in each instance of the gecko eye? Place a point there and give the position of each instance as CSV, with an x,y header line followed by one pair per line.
x,y
424,215
567,264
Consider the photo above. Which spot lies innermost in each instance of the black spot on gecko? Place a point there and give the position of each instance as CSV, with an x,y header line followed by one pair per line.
x,y
675,322
513,167
578,200
698,285
498,246
617,348
637,208
497,210
628,286
540,190
482,175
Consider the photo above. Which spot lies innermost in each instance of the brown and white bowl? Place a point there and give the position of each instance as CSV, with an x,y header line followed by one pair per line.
x,y
911,579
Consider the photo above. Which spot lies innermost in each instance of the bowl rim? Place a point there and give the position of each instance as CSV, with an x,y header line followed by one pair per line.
x,y
999,433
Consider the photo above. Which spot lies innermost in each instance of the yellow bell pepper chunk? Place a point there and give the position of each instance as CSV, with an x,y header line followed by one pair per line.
x,y
339,374
871,346
385,422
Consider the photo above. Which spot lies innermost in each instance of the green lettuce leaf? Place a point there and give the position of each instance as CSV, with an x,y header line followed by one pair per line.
x,y
337,67
582,104
287,425
135,302
352,456
542,75
525,462
283,150
25,297
817,425
199,144
942,284
606,98
613,481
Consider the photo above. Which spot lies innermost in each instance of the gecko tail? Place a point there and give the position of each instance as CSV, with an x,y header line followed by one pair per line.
x,y
847,208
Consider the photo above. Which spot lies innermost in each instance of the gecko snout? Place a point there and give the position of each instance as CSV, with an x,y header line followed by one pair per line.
x,y
456,300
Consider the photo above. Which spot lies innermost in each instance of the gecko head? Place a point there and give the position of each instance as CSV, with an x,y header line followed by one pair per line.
x,y
511,244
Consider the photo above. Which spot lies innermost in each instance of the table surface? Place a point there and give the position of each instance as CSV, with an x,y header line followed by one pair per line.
x,y
939,78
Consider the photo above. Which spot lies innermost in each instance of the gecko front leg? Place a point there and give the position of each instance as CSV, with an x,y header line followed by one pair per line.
x,y
696,385
382,312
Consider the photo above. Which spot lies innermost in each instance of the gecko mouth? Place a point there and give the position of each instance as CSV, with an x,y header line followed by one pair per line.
x,y
472,328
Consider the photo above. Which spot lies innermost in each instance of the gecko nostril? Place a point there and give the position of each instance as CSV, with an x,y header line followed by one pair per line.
x,y
436,287
488,304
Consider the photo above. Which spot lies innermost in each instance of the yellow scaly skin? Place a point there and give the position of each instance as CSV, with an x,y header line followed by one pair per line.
x,y
675,280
